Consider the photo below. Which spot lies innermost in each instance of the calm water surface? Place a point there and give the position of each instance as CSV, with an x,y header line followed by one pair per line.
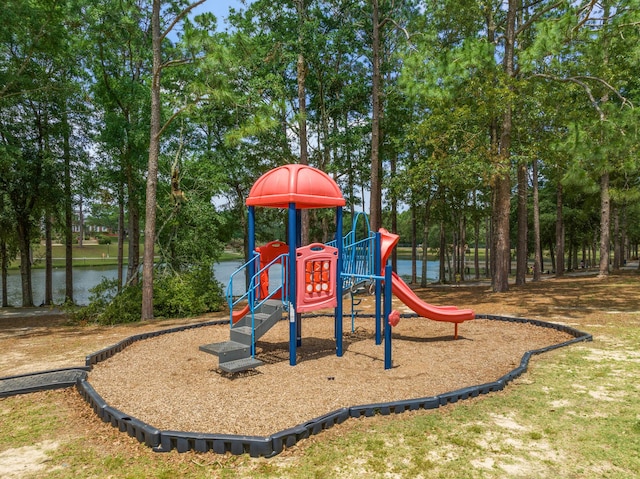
x,y
86,278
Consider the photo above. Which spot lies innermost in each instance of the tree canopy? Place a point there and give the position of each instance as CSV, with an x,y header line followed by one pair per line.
x,y
509,126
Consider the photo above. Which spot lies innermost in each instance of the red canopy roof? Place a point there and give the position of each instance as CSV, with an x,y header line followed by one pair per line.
x,y
303,185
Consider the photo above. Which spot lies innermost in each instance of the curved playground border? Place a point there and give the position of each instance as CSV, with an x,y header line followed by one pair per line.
x,y
255,446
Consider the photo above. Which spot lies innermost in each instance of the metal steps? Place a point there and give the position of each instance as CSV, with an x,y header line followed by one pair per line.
x,y
240,365
235,355
227,351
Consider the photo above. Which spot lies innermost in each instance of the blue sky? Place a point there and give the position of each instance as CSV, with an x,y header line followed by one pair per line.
x,y
220,8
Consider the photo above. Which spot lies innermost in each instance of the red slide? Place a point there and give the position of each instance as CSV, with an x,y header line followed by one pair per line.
x,y
238,315
405,294
450,314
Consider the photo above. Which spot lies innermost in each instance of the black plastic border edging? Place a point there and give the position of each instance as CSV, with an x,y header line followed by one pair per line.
x,y
41,381
255,446
164,441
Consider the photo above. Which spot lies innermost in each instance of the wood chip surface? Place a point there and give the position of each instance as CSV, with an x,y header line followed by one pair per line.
x,y
169,384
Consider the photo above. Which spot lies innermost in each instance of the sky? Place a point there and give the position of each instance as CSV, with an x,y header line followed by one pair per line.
x,y
220,8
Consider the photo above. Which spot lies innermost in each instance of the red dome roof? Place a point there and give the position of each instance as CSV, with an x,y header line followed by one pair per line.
x,y
303,185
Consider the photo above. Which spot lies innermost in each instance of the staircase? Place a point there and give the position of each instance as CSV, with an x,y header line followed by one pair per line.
x,y
235,355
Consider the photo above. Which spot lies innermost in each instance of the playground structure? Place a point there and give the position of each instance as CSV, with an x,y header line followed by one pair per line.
x,y
312,277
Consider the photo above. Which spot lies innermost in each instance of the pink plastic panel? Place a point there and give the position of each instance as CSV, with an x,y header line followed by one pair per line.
x,y
316,266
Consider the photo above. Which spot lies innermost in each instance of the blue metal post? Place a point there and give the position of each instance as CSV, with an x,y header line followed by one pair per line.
x,y
338,309
251,246
251,241
387,312
298,243
293,315
377,266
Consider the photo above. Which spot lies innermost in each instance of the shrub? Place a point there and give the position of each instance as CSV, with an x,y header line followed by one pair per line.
x,y
107,306
187,294
175,295
104,239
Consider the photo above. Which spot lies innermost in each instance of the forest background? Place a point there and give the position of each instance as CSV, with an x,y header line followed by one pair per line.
x,y
463,125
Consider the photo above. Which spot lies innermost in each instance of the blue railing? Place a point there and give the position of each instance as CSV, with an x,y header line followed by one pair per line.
x,y
283,260
242,269
358,264
255,303
252,293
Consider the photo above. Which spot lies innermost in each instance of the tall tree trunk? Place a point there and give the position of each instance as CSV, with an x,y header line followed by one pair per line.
x,y
376,93
24,244
133,261
80,222
487,251
4,267
502,178
476,238
442,256
414,244
501,251
454,250
350,170
394,214
559,266
425,245
152,168
617,260
68,213
48,260
121,234
462,248
476,248
522,249
490,244
326,229
624,240
605,220
605,198
537,260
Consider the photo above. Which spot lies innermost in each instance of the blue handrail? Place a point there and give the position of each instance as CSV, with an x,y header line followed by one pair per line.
x,y
255,305
251,294
229,294
283,287
358,262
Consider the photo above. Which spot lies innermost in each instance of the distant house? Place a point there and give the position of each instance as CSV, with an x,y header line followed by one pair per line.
x,y
89,226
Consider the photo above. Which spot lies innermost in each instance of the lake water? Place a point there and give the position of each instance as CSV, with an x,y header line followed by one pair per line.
x,y
86,278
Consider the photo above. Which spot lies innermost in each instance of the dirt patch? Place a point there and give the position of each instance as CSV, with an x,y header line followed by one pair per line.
x,y
167,382
25,460
39,342
585,303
